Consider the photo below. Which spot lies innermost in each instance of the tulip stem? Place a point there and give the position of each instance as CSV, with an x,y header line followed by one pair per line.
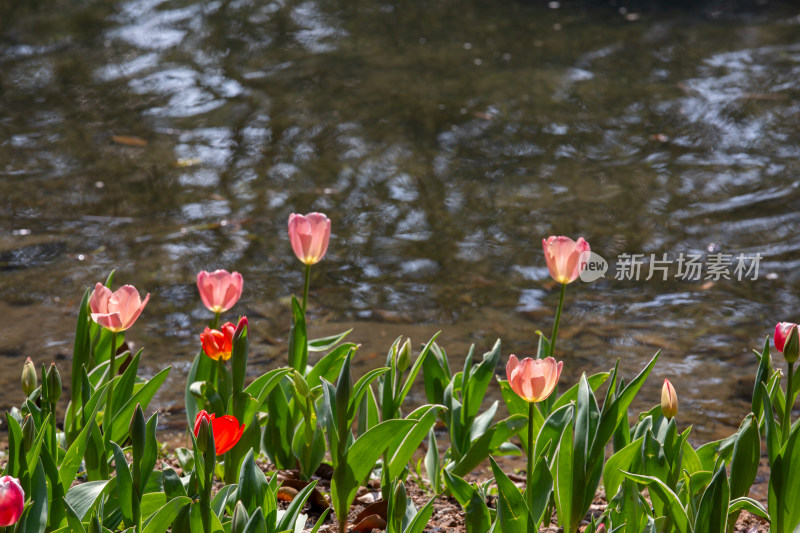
x,y
108,415
787,412
305,289
215,324
557,320
531,458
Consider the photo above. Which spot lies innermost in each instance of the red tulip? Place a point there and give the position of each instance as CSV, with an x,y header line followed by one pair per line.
x,y
116,311
218,343
226,429
219,290
563,257
12,501
309,235
669,400
533,379
787,341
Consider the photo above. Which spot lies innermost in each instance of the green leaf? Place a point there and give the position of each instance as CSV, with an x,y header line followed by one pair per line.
x,y
151,503
432,464
221,498
478,381
550,434
359,460
327,343
784,485
241,346
252,484
85,496
541,488
164,517
407,444
81,349
762,375
618,409
73,520
571,394
329,366
436,375
124,483
712,514
199,371
563,471
74,456
415,370
679,517
480,449
360,389
287,521
119,426
476,512
512,511
622,460
746,454
748,504
256,523
420,520
35,520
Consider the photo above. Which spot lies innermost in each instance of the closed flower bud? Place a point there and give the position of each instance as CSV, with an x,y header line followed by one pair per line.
x,y
29,379
404,356
28,432
202,432
240,518
137,431
787,340
669,400
53,383
300,384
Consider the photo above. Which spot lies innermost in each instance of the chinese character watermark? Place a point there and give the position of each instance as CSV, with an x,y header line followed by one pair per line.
x,y
684,267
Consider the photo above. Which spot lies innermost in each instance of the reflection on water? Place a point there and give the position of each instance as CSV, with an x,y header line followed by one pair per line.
x,y
444,139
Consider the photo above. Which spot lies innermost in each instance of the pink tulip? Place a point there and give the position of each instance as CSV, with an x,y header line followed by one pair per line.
x,y
219,290
563,257
116,311
309,235
12,501
533,379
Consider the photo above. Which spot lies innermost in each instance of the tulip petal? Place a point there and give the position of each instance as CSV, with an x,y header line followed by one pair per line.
x,y
98,302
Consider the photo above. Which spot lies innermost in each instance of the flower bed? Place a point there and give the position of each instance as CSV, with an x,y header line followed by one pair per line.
x,y
336,434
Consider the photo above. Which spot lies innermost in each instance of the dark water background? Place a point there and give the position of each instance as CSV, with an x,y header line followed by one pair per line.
x,y
443,138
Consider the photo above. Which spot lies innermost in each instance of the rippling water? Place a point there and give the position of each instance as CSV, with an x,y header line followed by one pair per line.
x,y
444,139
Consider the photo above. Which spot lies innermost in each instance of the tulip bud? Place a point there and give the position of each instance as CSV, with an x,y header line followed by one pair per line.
x,y
404,356
787,341
137,431
669,400
300,384
400,503
204,435
240,518
28,432
53,384
29,380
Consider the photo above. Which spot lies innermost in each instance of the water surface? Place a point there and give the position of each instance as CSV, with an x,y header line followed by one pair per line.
x,y
443,138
